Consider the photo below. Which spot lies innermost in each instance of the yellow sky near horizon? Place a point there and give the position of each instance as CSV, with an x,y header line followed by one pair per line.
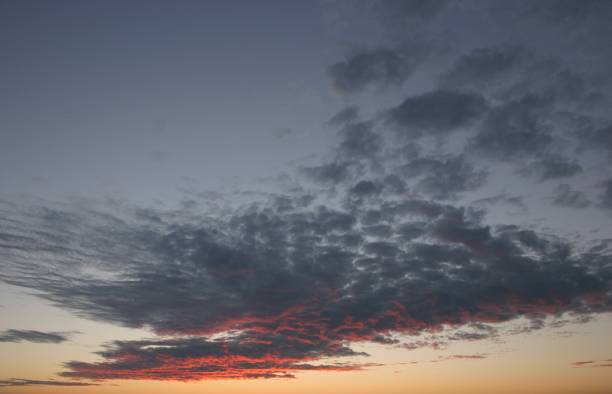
x,y
537,362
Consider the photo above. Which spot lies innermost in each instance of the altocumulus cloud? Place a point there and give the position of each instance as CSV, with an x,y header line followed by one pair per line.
x,y
384,253
277,287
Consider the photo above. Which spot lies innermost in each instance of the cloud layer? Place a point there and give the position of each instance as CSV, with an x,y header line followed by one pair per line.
x,y
278,287
13,335
376,244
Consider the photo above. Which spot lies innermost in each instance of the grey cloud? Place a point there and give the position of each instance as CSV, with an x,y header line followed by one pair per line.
x,y
268,264
570,86
433,344
359,146
410,231
283,132
516,201
365,188
358,140
515,129
414,8
347,115
597,139
13,335
330,173
436,113
509,72
565,196
378,68
394,184
569,13
605,198
551,166
308,279
377,230
14,382
474,332
483,67
444,178
408,15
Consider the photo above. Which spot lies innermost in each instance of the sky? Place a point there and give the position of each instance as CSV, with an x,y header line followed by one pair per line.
x,y
306,196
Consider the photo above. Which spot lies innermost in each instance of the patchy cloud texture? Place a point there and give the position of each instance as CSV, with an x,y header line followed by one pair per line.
x,y
287,284
377,243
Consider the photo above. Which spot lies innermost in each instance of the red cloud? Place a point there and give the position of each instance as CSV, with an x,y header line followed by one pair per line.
x,y
197,358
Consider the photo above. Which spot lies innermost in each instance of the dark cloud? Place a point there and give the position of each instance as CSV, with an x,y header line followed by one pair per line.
x,y
483,66
33,336
436,113
510,72
329,173
394,184
514,130
597,139
14,382
565,196
365,189
503,98
407,16
347,115
516,201
379,68
358,140
444,178
273,288
605,198
551,166
283,132
569,86
569,13
359,147
413,9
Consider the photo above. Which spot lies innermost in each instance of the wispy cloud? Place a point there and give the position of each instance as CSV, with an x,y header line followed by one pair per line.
x,y
593,364
13,335
14,382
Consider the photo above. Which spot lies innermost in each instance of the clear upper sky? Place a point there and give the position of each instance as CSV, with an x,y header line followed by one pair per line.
x,y
305,196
